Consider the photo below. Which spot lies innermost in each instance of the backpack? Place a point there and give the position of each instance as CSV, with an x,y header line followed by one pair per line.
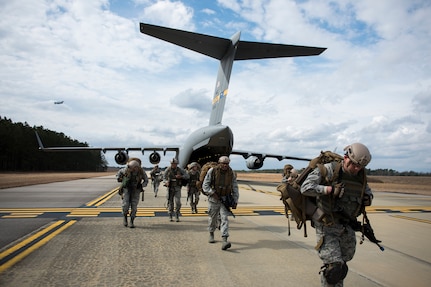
x,y
303,207
205,168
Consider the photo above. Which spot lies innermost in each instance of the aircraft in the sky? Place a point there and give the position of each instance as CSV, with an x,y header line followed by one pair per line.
x,y
58,102
210,142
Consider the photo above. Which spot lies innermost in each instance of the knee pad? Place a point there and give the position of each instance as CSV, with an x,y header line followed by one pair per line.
x,y
335,272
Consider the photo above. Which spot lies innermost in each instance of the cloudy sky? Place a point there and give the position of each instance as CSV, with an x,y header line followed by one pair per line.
x,y
124,88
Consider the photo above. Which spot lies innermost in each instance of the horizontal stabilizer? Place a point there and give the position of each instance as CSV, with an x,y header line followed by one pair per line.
x,y
211,46
217,47
255,50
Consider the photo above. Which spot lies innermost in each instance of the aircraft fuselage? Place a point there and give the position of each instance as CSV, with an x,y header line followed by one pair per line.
x,y
206,144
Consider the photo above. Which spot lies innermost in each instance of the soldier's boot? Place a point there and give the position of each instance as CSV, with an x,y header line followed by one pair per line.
x,y
125,220
211,239
132,219
177,217
226,244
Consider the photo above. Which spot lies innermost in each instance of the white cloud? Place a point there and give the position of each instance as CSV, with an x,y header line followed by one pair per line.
x,y
121,87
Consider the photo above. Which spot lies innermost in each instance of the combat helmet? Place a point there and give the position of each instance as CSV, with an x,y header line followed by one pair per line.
x,y
133,163
224,159
358,153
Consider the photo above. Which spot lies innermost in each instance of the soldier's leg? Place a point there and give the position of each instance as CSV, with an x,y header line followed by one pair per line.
x,y
329,250
170,197
196,193
134,206
125,205
213,213
224,218
177,197
224,227
156,187
348,244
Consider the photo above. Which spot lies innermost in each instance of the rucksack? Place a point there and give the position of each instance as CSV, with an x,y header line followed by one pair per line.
x,y
303,207
205,168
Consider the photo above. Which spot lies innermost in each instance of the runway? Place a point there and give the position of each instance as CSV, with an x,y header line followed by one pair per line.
x,y
71,234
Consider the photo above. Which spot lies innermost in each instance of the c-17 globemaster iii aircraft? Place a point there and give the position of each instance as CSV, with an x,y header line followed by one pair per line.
x,y
210,142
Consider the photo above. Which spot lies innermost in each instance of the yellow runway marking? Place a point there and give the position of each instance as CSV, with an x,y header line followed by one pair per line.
x,y
413,219
102,199
28,241
156,211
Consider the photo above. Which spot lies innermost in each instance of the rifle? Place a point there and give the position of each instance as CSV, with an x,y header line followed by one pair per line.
x,y
227,202
368,232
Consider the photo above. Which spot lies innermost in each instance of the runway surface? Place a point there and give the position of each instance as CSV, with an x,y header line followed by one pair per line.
x,y
71,234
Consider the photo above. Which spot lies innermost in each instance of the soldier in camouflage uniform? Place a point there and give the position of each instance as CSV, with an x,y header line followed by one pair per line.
x,y
218,183
173,177
133,181
341,198
156,177
192,189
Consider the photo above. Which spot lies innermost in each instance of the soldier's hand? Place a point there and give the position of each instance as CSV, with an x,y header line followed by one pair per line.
x,y
338,190
366,200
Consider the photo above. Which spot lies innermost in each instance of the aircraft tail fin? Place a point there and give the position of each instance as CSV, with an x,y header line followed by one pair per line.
x,y
226,51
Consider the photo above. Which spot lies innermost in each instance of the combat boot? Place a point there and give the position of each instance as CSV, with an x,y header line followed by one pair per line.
x,y
125,221
132,225
226,244
211,239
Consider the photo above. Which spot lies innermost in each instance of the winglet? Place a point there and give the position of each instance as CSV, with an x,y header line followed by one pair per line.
x,y
39,141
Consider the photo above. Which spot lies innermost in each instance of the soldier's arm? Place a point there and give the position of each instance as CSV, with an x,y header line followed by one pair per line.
x,y
206,185
145,180
235,190
185,174
312,187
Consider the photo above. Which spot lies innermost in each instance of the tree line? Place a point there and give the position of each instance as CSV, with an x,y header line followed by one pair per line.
x,y
377,172
19,150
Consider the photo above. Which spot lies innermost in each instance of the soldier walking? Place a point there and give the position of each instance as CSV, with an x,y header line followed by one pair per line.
x,y
133,181
222,188
173,177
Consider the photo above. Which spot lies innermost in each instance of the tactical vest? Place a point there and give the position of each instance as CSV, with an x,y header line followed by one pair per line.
x,y
171,176
131,179
347,207
194,177
222,181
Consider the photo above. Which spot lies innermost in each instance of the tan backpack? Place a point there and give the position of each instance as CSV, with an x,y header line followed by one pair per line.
x,y
302,207
203,173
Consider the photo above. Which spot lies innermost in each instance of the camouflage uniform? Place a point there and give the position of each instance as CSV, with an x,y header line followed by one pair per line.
x,y
133,182
215,206
192,189
174,189
156,178
336,240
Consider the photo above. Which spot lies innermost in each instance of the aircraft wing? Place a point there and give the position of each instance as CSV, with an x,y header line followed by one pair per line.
x,y
262,156
122,152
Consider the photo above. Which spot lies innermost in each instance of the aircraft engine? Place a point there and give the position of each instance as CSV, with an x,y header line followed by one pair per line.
x,y
254,162
154,158
121,157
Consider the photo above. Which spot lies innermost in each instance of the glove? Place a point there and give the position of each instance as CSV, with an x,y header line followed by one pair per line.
x,y
366,201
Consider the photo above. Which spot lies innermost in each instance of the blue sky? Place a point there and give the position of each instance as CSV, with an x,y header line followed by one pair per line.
x,y
123,88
